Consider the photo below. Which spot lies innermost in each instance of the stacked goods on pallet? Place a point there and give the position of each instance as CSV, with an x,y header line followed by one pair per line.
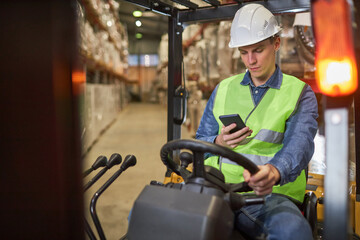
x,y
103,49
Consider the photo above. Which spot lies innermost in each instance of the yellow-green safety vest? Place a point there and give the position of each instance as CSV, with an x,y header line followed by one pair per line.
x,y
267,120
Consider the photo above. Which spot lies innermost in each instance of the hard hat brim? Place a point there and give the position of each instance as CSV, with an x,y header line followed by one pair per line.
x,y
248,43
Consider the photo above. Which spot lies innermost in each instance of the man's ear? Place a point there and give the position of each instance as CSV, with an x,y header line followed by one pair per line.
x,y
277,42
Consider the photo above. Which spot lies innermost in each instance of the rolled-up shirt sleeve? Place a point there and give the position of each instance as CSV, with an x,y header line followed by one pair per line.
x,y
298,143
209,127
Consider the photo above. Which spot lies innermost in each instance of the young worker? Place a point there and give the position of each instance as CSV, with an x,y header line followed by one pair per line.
x,y
280,114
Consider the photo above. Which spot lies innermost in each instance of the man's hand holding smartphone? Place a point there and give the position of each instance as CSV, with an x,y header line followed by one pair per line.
x,y
233,132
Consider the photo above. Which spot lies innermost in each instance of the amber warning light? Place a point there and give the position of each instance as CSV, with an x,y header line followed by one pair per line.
x,y
78,77
78,82
336,72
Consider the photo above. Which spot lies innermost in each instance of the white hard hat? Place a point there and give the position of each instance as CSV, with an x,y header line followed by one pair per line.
x,y
252,24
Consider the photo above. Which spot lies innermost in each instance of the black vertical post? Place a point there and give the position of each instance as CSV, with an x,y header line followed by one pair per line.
x,y
174,75
357,102
356,31
40,173
357,144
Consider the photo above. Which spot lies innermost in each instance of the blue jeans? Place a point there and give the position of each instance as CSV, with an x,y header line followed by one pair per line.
x,y
278,218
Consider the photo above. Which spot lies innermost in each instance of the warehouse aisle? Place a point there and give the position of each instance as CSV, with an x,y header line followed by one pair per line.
x,y
140,129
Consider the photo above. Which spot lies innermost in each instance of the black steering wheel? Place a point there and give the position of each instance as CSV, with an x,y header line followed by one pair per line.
x,y
198,149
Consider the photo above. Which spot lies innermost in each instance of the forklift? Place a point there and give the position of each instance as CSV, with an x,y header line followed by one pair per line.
x,y
40,137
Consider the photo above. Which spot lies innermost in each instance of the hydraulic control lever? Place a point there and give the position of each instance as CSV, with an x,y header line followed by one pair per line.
x,y
240,187
130,160
99,162
237,201
115,159
186,158
89,231
254,200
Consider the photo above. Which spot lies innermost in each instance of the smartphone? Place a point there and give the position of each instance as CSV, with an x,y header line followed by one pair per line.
x,y
232,118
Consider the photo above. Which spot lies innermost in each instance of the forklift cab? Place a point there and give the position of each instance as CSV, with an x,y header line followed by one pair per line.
x,y
51,127
201,208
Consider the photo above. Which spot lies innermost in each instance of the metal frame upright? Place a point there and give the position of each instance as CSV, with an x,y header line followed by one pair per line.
x,y
174,76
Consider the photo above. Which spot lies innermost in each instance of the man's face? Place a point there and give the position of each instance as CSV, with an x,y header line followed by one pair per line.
x,y
259,59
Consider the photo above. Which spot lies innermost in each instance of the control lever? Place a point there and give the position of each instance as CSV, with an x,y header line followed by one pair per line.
x,y
186,158
237,201
254,200
130,160
89,231
99,162
240,187
115,159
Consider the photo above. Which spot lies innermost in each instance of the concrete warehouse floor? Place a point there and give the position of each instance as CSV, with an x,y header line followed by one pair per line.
x,y
140,129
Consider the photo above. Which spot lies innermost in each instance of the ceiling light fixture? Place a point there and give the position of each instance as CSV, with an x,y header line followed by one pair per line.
x,y
138,23
137,13
138,35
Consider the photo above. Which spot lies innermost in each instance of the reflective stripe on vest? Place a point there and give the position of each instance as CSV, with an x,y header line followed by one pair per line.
x,y
266,135
268,122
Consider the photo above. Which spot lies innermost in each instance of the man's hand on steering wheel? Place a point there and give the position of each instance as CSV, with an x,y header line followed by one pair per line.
x,y
263,181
